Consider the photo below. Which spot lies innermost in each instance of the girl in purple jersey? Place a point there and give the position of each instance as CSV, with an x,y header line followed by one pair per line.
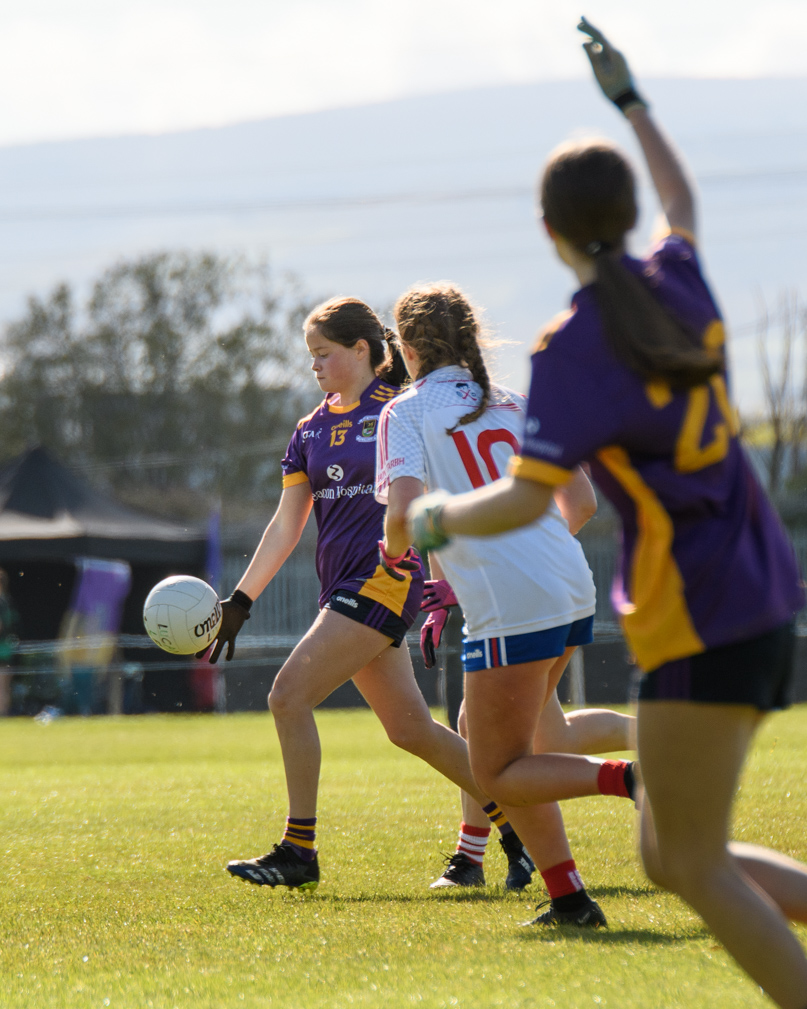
x,y
633,379
368,602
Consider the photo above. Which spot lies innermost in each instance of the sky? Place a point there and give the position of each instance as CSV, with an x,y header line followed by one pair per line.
x,y
83,68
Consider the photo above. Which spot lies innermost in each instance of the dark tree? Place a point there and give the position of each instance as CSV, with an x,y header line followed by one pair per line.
x,y
183,372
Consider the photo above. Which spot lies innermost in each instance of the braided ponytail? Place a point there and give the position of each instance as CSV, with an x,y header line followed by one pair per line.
x,y
438,322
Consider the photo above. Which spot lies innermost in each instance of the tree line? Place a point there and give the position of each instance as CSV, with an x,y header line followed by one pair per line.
x,y
177,378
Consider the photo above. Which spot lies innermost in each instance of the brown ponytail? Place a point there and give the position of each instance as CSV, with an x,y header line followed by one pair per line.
x,y
440,325
395,372
588,197
348,320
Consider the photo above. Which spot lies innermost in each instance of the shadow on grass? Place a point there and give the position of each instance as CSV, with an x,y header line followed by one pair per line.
x,y
642,936
645,890
605,936
465,897
469,895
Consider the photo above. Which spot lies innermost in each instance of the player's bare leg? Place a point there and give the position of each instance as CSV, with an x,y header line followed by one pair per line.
x,y
464,867
388,685
685,823
589,730
333,650
586,730
326,657
503,708
782,878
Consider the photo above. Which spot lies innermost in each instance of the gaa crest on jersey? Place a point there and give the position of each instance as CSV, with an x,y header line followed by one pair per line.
x,y
335,473
466,392
368,429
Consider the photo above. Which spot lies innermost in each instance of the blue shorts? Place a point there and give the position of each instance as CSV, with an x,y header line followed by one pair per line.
x,y
490,653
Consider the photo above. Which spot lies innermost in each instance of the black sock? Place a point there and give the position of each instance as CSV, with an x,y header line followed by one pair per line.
x,y
630,780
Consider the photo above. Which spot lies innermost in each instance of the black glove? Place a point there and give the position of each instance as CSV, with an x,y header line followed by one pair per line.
x,y
611,70
234,611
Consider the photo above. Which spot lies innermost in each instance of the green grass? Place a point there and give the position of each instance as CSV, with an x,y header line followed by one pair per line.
x,y
114,833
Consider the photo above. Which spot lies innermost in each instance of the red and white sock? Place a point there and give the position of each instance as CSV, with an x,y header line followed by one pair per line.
x,y
472,842
562,879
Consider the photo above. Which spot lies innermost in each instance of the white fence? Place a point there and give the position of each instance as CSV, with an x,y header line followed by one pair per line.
x,y
289,604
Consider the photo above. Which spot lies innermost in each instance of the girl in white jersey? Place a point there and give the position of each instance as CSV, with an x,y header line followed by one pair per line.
x,y
528,598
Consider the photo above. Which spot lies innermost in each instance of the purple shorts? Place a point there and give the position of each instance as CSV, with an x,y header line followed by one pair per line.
x,y
370,613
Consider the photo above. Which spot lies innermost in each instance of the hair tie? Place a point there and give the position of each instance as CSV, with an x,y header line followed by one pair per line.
x,y
597,248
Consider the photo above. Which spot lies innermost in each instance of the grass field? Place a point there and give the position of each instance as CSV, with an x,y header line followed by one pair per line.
x,y
115,833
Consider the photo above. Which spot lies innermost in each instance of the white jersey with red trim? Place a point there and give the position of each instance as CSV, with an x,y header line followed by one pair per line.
x,y
527,580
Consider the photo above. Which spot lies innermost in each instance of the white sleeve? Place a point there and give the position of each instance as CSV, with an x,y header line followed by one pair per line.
x,y
399,449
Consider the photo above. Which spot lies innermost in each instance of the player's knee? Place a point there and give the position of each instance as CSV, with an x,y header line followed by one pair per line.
x,y
412,735
654,867
680,870
489,779
284,700
462,722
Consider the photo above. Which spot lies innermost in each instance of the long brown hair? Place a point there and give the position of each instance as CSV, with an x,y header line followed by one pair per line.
x,y
439,323
348,320
588,197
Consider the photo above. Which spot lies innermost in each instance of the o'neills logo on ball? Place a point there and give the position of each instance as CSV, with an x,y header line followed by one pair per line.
x,y
203,630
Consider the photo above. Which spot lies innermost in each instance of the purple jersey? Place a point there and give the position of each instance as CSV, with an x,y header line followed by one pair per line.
x,y
706,561
333,449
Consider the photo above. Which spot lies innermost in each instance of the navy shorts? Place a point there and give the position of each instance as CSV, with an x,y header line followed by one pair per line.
x,y
758,672
513,649
367,611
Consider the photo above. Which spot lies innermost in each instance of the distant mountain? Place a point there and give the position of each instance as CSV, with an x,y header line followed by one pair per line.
x,y
367,200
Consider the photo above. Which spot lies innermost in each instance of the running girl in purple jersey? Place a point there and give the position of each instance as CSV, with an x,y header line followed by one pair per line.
x,y
633,380
368,602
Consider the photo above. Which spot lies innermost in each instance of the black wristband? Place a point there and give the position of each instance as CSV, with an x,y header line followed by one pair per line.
x,y
242,599
628,98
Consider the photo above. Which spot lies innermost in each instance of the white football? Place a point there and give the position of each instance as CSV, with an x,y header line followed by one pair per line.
x,y
182,614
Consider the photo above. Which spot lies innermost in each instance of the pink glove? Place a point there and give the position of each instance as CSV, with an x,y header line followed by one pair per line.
x,y
430,635
398,567
437,595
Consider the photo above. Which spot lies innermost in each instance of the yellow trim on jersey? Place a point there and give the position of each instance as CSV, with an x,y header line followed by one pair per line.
x,y
685,233
549,330
658,624
384,589
384,393
659,393
714,335
343,409
541,472
292,479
